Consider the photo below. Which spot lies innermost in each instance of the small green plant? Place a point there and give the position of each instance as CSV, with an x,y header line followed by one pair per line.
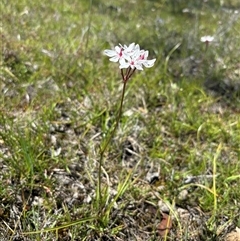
x,y
131,58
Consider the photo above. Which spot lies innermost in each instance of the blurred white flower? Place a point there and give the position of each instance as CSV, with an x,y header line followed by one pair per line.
x,y
207,39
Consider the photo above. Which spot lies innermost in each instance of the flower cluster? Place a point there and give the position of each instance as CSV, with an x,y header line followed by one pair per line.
x,y
130,57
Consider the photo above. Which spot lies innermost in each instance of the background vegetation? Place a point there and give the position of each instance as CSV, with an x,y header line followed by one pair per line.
x,y
176,151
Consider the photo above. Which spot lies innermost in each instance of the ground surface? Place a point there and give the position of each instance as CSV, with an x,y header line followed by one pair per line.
x,y
172,169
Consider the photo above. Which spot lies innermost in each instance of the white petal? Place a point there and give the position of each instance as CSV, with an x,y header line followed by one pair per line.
x,y
137,47
118,49
126,56
131,46
109,52
124,66
139,67
122,61
149,63
146,54
136,54
114,59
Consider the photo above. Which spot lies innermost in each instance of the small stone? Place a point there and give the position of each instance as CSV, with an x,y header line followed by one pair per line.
x,y
163,207
183,195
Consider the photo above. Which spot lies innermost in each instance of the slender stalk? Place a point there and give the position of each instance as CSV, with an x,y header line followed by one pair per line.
x,y
117,121
110,136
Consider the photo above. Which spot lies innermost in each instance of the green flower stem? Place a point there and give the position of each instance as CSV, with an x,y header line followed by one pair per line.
x,y
125,78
